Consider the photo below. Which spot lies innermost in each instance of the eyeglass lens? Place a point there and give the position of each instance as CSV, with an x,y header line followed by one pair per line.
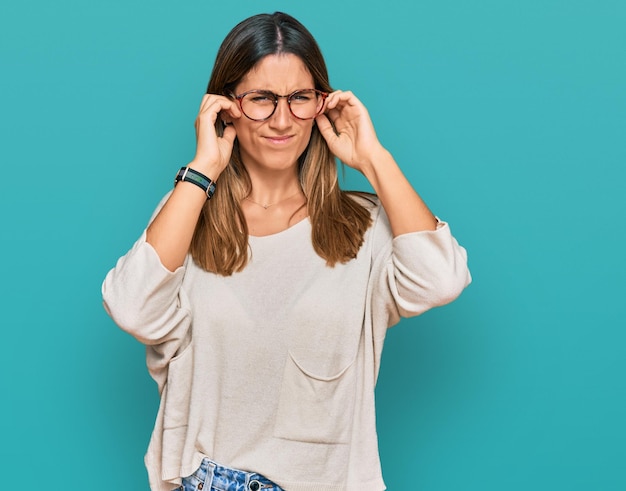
x,y
260,105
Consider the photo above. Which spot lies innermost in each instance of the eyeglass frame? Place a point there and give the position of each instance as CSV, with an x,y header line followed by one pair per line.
x,y
276,97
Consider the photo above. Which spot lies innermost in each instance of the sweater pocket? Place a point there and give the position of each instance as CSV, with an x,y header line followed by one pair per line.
x,y
316,402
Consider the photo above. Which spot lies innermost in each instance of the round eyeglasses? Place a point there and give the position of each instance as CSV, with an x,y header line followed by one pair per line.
x,y
259,105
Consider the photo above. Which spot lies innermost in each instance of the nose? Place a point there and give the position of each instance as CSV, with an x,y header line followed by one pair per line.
x,y
282,115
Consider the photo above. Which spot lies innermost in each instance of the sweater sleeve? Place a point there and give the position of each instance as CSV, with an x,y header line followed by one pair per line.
x,y
146,300
415,272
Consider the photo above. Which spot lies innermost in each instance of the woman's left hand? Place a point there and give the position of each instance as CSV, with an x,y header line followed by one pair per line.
x,y
351,136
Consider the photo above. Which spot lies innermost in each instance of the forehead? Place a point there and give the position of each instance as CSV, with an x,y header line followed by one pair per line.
x,y
281,73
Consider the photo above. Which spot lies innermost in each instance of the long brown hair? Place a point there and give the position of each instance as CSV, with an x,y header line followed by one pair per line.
x,y
339,222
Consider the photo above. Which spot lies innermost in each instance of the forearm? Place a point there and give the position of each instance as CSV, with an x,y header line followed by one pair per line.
x,y
171,231
407,212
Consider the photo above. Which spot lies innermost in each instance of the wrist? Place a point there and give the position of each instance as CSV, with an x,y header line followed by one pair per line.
x,y
375,162
212,171
187,174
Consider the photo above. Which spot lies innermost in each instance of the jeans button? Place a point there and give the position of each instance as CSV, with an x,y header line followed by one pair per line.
x,y
254,485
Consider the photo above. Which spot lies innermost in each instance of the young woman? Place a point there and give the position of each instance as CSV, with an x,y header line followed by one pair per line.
x,y
263,291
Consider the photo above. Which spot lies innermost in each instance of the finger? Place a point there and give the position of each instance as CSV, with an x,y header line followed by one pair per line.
x,y
229,135
337,96
203,102
333,114
326,128
222,110
212,103
331,100
341,99
229,106
227,115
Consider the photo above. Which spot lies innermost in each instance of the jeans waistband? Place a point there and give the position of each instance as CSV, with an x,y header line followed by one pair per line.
x,y
226,479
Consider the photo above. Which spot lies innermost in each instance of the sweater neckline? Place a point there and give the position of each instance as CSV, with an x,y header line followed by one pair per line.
x,y
286,231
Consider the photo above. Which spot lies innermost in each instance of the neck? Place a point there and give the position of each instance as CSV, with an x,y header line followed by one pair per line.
x,y
273,186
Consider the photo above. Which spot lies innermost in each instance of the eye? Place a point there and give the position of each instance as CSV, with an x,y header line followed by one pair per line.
x,y
302,96
260,98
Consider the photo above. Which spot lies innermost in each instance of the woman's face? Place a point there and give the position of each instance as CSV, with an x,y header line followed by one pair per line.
x,y
276,143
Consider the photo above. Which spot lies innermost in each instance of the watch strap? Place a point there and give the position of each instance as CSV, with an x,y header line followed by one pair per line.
x,y
190,175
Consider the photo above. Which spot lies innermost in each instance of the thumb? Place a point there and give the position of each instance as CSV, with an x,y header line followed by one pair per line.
x,y
229,134
326,128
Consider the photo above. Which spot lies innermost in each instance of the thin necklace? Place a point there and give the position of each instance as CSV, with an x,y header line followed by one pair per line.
x,y
266,206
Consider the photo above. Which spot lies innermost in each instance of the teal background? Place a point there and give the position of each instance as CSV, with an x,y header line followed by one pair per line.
x,y
509,119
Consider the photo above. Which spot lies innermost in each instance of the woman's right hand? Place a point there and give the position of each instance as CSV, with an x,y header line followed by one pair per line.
x,y
212,151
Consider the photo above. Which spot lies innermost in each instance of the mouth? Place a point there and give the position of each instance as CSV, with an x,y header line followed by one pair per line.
x,y
279,140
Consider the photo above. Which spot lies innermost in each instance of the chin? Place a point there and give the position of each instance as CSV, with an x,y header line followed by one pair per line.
x,y
275,161
282,162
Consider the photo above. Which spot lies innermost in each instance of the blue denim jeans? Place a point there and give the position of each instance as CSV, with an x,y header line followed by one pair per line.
x,y
213,477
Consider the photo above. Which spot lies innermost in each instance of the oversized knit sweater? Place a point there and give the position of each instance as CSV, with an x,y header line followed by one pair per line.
x,y
273,369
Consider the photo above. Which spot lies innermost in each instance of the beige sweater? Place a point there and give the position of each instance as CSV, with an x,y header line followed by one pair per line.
x,y
273,369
